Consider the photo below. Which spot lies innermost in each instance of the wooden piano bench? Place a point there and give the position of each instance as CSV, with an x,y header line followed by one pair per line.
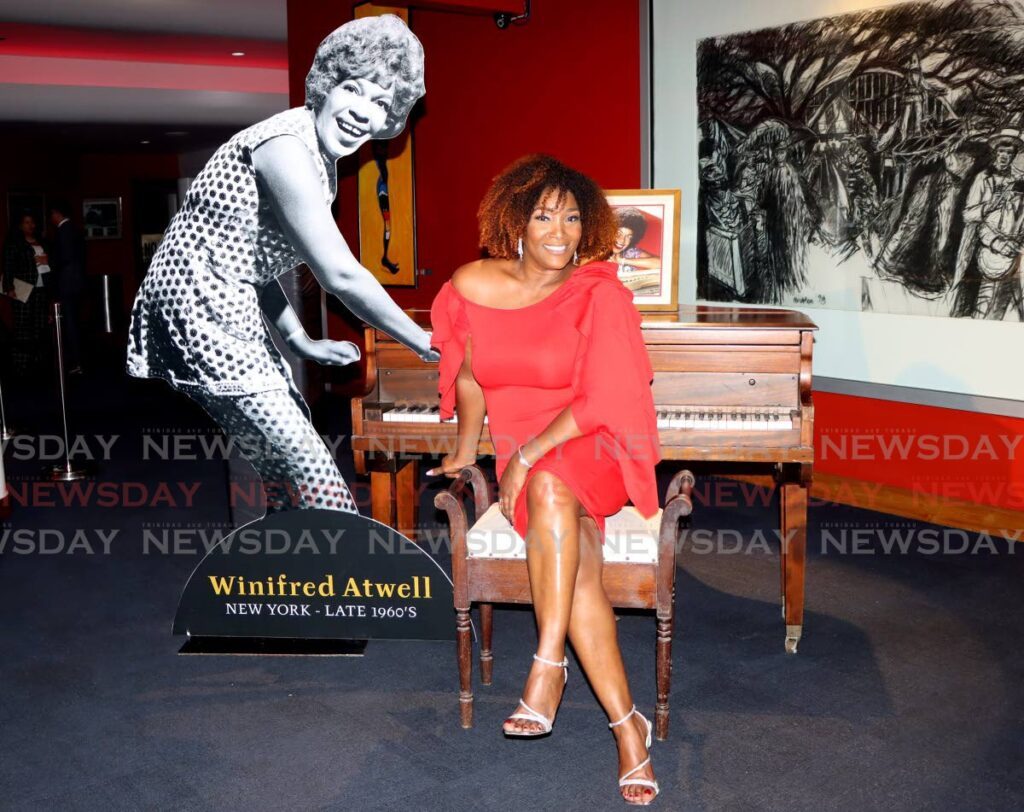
x,y
489,566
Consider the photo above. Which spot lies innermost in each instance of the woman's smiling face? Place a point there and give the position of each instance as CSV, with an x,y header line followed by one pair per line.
x,y
553,231
352,113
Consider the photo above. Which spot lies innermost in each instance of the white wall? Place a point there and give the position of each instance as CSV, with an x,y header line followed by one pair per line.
x,y
966,356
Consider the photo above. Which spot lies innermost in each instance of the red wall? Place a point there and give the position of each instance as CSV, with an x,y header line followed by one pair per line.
x,y
493,96
568,83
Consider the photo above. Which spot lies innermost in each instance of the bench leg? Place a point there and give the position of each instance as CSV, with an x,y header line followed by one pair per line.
x,y
663,666
465,646
486,657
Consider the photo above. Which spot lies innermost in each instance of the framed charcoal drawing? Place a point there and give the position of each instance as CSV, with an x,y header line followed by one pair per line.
x,y
870,161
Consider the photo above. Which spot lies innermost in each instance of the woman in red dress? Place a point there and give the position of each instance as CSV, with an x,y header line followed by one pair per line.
x,y
551,350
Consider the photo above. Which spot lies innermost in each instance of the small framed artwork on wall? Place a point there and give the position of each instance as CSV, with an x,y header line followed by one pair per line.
x,y
102,218
647,245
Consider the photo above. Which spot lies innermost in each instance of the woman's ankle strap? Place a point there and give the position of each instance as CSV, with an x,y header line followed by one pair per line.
x,y
563,664
624,718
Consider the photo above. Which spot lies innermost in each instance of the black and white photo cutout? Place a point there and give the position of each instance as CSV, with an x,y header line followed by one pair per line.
x,y
259,208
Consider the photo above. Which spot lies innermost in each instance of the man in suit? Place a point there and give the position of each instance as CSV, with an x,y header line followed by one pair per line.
x,y
69,270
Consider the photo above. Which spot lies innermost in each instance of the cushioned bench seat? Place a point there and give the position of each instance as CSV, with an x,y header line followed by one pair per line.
x,y
629,537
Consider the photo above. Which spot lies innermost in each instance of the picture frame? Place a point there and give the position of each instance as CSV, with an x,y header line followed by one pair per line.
x,y
387,210
101,218
648,263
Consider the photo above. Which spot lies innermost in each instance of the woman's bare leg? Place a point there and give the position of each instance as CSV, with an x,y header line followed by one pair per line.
x,y
593,633
552,558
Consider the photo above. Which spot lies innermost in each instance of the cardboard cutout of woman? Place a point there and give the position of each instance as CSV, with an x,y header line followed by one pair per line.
x,y
260,207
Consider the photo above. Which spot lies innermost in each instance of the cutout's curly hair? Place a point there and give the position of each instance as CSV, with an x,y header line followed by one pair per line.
x,y
514,194
633,219
381,49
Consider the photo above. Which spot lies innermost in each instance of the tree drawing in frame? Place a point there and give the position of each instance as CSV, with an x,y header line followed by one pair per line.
x,y
869,161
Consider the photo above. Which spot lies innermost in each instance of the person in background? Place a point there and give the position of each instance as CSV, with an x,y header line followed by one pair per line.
x,y
27,279
68,263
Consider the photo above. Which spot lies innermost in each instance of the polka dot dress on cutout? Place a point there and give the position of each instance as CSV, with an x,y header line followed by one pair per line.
x,y
197,320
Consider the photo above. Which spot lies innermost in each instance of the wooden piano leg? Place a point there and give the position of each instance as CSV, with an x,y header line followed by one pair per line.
x,y
381,482
782,549
394,500
794,487
407,498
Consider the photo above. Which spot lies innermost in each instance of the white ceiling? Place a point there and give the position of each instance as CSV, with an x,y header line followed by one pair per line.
x,y
256,19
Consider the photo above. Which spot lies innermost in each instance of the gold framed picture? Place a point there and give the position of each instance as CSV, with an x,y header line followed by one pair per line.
x,y
647,245
387,211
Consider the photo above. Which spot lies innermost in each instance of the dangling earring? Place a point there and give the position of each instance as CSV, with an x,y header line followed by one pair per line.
x,y
575,257
519,248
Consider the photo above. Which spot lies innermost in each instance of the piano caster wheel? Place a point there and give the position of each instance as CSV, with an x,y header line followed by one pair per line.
x,y
792,638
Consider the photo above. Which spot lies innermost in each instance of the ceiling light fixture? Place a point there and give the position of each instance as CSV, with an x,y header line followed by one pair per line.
x,y
238,53
143,142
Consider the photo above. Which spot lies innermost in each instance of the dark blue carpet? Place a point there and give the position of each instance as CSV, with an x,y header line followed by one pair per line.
x,y
906,694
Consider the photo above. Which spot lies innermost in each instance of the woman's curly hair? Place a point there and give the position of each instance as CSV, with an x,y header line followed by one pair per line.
x,y
515,193
634,220
381,49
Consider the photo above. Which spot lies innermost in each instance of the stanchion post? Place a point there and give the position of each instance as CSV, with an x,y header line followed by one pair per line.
x,y
65,472
6,432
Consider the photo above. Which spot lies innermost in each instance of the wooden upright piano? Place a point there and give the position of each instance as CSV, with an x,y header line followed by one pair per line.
x,y
730,385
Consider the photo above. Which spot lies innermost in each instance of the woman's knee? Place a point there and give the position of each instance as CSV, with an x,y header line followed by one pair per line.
x,y
546,490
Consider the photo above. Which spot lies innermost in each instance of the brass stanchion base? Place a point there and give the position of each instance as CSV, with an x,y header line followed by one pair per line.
x,y
69,471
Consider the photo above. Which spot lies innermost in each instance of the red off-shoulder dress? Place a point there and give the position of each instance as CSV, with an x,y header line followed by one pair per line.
x,y
580,347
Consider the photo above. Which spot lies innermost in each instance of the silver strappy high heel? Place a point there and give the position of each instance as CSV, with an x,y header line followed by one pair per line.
x,y
625,780
530,715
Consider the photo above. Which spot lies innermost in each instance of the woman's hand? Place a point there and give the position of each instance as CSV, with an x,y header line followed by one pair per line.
x,y
512,481
451,465
336,353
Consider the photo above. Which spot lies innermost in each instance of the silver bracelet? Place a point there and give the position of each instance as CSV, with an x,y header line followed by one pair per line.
x,y
522,458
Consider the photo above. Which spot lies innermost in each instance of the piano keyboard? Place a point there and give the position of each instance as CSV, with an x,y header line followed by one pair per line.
x,y
725,418
417,413
695,418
